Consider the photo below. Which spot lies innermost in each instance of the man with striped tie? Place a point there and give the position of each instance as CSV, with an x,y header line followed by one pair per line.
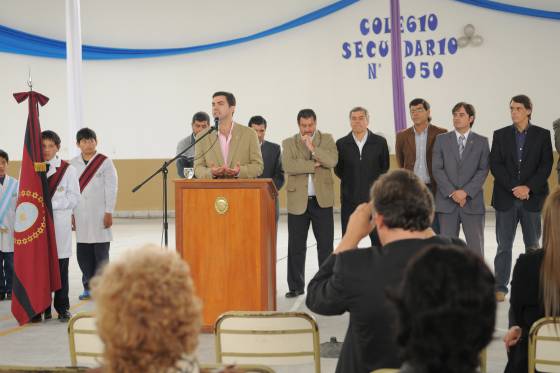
x,y
93,217
460,167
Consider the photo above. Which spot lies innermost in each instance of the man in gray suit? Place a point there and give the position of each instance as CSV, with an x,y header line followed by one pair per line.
x,y
460,167
556,127
200,121
271,156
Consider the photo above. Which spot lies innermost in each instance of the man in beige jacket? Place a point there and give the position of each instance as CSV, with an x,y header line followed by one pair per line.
x,y
232,152
308,158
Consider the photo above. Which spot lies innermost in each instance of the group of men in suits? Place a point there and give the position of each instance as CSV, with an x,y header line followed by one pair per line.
x,y
453,166
307,160
401,207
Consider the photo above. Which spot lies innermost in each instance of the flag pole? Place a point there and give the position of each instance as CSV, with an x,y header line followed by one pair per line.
x,y
30,81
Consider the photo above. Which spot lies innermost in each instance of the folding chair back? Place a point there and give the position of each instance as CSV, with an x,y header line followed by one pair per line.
x,y
544,346
247,368
86,348
272,338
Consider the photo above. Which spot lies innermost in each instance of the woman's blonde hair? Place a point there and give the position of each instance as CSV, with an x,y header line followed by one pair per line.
x,y
550,268
148,315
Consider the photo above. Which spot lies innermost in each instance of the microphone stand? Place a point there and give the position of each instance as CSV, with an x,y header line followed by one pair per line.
x,y
164,171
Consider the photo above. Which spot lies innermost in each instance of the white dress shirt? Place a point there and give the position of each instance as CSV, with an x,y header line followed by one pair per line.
x,y
421,164
361,142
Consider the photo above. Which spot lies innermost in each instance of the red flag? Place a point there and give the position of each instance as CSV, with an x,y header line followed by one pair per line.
x,y
36,273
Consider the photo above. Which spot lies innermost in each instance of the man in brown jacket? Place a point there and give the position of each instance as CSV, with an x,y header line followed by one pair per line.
x,y
308,158
415,144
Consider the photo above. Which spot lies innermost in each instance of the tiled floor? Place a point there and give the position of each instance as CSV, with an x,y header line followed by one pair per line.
x,y
47,343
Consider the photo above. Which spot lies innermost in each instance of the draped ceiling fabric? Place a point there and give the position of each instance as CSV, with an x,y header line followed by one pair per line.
x,y
18,42
14,41
515,9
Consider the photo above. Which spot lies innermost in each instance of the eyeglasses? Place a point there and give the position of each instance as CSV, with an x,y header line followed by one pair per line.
x,y
421,110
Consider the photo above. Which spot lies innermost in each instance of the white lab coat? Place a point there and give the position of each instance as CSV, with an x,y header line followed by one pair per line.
x,y
64,200
7,239
99,197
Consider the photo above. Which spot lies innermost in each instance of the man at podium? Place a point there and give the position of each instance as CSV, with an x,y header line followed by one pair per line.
x,y
232,152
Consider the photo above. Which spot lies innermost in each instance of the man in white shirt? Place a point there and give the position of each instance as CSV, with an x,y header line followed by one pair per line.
x,y
93,217
64,192
8,199
362,157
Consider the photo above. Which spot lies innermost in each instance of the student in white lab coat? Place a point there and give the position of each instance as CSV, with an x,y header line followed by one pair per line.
x,y
8,199
64,191
93,217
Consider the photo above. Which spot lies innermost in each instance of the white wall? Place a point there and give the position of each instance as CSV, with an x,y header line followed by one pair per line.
x,y
141,108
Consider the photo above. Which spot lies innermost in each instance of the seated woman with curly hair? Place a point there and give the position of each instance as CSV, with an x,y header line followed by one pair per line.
x,y
447,311
148,315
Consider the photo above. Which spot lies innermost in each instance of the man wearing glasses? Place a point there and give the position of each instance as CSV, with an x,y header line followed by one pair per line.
x,y
414,145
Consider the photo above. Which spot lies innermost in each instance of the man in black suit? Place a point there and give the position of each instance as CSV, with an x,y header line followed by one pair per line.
x,y
356,280
271,156
521,162
362,158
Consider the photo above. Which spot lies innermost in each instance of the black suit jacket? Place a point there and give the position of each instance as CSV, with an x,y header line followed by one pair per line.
x,y
356,173
536,166
356,281
272,163
526,305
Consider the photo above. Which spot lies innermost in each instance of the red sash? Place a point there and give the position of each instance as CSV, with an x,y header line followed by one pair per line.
x,y
55,178
90,170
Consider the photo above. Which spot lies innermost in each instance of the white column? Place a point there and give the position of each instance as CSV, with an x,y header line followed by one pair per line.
x,y
74,73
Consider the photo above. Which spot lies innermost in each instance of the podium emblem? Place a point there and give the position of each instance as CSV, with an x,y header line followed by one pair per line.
x,y
221,205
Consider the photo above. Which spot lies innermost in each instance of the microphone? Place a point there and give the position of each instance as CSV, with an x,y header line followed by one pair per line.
x,y
216,121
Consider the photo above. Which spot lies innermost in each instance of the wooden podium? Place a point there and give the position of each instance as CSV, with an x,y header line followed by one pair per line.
x,y
226,231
